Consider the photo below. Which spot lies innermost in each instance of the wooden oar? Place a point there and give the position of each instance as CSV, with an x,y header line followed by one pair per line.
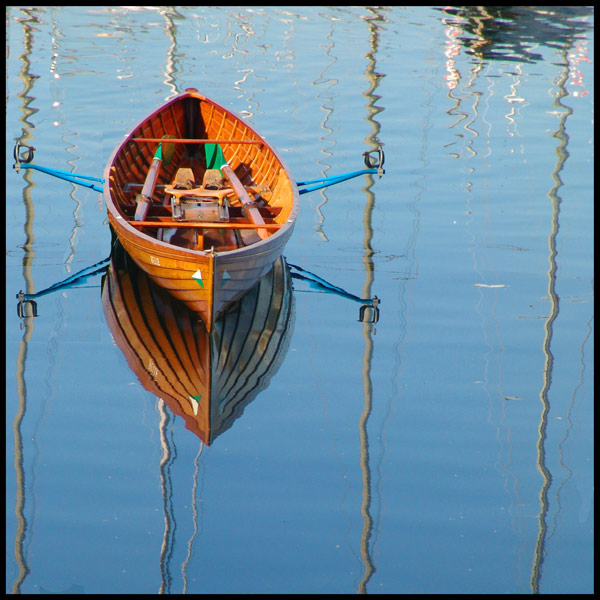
x,y
216,160
164,152
250,209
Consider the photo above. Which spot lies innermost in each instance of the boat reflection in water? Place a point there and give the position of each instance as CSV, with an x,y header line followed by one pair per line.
x,y
206,378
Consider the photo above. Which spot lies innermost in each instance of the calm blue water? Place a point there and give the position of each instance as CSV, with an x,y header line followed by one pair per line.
x,y
445,448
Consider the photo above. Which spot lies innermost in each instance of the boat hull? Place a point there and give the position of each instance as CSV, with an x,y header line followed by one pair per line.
x,y
209,277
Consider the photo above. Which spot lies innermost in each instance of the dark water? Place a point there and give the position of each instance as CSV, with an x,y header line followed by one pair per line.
x,y
441,445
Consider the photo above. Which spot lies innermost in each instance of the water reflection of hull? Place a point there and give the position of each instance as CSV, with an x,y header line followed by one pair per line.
x,y
206,378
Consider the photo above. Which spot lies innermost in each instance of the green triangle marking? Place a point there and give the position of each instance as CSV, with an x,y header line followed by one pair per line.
x,y
198,277
226,277
194,400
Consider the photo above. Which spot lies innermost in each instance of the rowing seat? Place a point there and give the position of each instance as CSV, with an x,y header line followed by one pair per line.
x,y
213,180
205,204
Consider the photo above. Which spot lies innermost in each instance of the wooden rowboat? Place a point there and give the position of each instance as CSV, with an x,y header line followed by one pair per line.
x,y
203,230
205,378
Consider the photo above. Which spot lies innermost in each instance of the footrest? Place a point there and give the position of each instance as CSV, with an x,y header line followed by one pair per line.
x,y
199,192
192,210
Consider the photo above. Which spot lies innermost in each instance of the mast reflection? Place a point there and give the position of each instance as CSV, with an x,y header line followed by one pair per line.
x,y
373,78
28,23
513,34
562,154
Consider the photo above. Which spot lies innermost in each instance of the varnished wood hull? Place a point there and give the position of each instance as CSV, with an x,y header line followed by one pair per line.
x,y
205,378
213,274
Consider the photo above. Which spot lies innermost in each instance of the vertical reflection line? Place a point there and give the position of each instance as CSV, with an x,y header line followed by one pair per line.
x,y
27,325
561,451
166,460
194,519
364,462
169,14
562,155
20,473
72,146
328,110
373,78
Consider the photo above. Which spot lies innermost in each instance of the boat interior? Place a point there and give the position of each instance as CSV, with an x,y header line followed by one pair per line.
x,y
215,185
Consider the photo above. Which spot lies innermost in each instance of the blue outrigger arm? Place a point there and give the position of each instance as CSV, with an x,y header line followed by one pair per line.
x,y
374,167
79,277
23,162
320,284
